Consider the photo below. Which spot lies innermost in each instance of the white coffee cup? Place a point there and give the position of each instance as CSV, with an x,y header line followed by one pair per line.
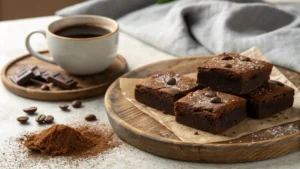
x,y
80,56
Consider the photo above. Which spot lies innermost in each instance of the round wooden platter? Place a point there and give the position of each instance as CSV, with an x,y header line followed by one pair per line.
x,y
145,133
88,86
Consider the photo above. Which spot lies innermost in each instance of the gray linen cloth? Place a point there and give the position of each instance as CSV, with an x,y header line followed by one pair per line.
x,y
195,27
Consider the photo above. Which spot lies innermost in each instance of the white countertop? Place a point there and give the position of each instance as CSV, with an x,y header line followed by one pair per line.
x,y
12,37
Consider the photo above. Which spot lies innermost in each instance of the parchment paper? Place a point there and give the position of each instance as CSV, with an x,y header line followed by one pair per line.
x,y
247,126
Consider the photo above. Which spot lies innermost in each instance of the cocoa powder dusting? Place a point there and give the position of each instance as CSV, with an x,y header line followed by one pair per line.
x,y
67,141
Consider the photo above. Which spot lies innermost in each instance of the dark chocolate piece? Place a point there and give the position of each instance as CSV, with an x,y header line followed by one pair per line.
x,y
196,110
215,100
23,76
155,91
243,58
46,75
226,57
233,73
171,81
228,65
269,99
41,75
210,94
62,81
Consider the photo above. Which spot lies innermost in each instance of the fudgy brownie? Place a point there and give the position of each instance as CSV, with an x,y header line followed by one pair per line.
x,y
160,91
210,111
269,99
233,73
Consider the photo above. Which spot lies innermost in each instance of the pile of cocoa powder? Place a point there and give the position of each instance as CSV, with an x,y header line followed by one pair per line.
x,y
63,140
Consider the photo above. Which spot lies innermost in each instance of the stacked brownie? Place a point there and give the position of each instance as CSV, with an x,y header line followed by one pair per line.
x,y
235,87
161,91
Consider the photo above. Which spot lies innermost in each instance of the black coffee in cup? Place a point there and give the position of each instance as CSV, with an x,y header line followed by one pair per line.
x,y
82,31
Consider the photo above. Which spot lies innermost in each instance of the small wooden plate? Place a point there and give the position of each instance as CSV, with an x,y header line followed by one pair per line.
x,y
145,133
88,86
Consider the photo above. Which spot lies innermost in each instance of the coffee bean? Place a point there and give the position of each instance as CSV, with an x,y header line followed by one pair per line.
x,y
76,103
49,119
30,110
23,119
246,59
227,57
276,83
210,94
90,117
228,65
40,119
63,107
215,100
45,87
171,81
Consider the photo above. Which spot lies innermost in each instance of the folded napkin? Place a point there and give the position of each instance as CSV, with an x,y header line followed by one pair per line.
x,y
195,27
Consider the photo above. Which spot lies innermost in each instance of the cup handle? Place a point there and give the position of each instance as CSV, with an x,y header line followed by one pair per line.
x,y
34,53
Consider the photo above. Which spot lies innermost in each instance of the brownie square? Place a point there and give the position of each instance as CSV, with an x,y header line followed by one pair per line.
x,y
269,99
233,73
210,111
160,91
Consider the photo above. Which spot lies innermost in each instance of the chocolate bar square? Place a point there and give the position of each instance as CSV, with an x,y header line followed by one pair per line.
x,y
23,76
62,81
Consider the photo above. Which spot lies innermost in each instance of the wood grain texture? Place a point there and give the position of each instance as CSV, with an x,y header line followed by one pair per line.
x,y
88,86
145,133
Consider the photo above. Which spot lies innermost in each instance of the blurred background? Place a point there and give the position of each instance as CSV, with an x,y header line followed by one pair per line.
x,y
17,9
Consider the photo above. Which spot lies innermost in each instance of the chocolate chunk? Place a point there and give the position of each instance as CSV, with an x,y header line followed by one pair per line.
x,y
215,100
226,57
90,117
45,87
246,59
41,75
76,103
26,68
228,65
64,107
23,76
62,81
40,119
171,81
49,119
30,110
276,83
46,75
196,133
23,119
210,94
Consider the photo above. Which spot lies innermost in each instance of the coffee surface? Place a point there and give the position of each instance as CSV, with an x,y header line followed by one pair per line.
x,y
82,31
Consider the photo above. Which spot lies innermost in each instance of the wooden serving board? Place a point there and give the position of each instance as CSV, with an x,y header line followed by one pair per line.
x,y
88,86
145,133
